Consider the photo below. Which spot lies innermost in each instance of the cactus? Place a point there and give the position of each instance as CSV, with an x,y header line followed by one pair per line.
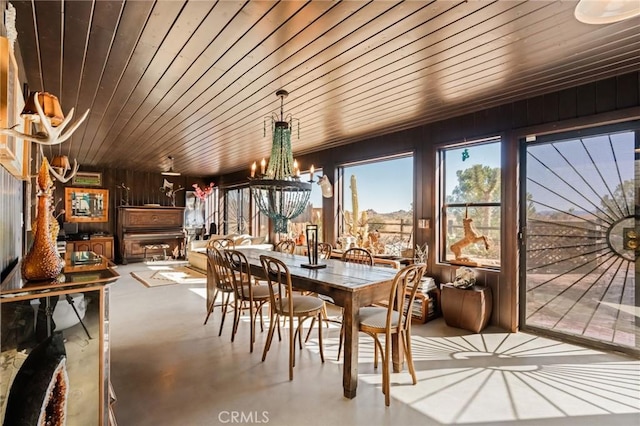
x,y
357,222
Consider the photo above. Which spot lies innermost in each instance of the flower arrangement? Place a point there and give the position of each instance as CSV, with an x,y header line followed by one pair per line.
x,y
465,277
204,192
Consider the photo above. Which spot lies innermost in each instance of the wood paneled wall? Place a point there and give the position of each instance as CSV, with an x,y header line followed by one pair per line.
x,y
602,102
598,103
145,188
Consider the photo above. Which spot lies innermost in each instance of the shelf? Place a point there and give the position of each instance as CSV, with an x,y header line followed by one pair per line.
x,y
426,305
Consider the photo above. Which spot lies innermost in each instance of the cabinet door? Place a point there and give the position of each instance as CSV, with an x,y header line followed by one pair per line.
x,y
108,249
98,247
103,246
82,246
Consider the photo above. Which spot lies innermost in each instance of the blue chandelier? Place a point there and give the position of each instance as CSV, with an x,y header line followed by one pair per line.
x,y
278,191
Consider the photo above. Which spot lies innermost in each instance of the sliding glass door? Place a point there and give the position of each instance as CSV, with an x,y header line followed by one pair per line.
x,y
579,272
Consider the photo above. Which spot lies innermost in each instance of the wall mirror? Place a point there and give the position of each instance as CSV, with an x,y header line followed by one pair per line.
x,y
86,205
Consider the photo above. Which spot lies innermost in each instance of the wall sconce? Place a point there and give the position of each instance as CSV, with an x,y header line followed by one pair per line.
x,y
60,167
44,110
325,186
50,105
424,223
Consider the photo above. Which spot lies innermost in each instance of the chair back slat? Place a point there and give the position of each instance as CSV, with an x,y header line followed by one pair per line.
x,y
405,285
220,269
280,287
241,272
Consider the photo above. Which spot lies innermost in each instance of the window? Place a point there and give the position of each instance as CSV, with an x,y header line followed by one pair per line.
x,y
241,215
237,211
211,212
377,205
313,213
470,200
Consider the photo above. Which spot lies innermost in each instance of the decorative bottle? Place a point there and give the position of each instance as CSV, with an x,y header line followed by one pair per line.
x,y
42,262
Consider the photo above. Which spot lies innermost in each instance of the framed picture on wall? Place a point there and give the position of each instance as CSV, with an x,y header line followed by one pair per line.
x,y
86,205
88,179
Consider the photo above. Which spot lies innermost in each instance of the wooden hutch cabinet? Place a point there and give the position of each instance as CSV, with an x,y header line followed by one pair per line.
x,y
99,244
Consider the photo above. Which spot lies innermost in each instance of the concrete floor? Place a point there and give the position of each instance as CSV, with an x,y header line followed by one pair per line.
x,y
169,369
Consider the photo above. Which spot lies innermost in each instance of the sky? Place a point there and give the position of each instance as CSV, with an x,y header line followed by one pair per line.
x,y
484,154
378,186
576,174
385,186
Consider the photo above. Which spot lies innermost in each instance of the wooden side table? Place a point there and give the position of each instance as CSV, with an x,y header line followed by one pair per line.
x,y
469,309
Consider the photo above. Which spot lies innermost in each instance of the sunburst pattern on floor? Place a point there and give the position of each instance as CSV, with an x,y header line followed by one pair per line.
x,y
501,377
487,378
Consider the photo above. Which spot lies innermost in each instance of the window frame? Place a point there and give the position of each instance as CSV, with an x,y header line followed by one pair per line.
x,y
212,210
340,191
442,205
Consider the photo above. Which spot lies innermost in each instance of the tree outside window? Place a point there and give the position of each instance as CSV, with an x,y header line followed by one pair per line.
x,y
471,191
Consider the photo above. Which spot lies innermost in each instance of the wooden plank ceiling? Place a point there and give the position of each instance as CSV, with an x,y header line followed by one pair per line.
x,y
195,80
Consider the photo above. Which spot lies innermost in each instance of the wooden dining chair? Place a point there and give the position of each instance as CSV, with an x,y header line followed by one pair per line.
x,y
285,246
248,294
393,319
220,279
324,250
284,303
358,255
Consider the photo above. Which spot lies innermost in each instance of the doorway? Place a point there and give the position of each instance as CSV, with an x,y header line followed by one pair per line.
x,y
579,275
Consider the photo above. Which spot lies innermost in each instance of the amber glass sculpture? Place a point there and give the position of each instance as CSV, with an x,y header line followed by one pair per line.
x,y
42,262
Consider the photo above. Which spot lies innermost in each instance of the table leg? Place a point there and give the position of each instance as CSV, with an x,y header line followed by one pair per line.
x,y
350,372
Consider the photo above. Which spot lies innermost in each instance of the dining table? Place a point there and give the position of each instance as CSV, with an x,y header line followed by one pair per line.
x,y
351,286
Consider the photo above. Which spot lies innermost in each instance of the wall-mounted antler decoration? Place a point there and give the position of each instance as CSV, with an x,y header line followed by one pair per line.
x,y
48,134
60,166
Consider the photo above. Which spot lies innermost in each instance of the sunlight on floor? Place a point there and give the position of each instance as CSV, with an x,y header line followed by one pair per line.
x,y
506,377
494,377
202,292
